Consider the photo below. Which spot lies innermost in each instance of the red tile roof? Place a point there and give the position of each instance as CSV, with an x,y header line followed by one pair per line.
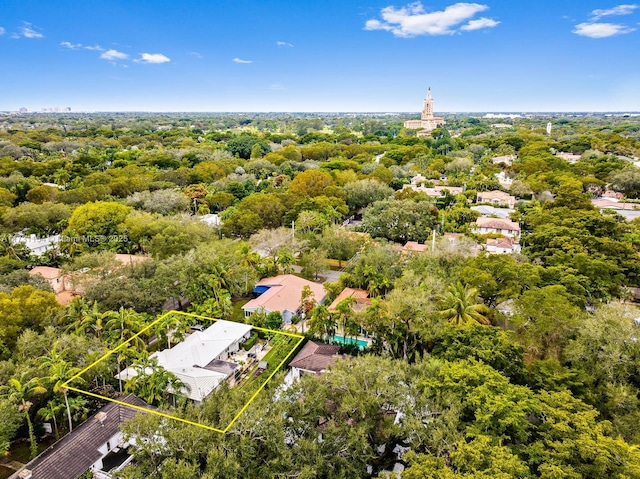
x,y
360,295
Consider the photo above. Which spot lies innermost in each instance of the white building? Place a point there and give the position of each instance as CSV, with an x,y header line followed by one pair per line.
x,y
200,361
38,246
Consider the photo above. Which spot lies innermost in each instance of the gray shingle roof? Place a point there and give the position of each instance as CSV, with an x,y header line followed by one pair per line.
x,y
72,455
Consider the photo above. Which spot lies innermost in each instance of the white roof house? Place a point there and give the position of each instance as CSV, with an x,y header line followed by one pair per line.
x,y
37,245
191,360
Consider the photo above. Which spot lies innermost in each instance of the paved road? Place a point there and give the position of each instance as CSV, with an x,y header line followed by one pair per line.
x,y
330,275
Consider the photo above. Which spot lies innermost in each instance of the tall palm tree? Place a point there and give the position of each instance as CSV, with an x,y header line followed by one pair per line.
x,y
322,322
152,382
60,371
74,313
345,314
50,413
122,326
172,326
460,305
19,391
91,320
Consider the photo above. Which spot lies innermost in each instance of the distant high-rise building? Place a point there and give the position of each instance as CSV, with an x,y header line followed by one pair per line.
x,y
427,121
549,128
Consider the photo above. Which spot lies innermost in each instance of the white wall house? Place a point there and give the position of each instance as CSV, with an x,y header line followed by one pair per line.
x,y
200,361
499,226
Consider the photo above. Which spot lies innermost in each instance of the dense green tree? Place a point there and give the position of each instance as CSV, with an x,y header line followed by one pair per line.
x,y
400,220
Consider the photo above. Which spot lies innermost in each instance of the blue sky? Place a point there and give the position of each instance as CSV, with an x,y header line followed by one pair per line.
x,y
334,55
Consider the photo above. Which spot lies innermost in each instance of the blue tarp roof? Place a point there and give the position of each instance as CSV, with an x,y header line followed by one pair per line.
x,y
260,289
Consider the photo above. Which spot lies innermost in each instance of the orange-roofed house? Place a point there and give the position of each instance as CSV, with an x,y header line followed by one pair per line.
x,y
283,294
54,277
361,297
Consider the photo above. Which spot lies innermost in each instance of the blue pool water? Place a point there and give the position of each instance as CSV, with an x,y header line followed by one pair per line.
x,y
340,339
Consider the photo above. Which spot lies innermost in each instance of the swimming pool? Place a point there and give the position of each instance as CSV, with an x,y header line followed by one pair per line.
x,y
340,339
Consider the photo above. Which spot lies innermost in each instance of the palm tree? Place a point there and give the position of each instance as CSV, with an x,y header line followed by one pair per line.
x,y
123,325
322,322
172,326
60,371
50,412
92,320
19,391
79,408
344,311
75,313
152,382
460,305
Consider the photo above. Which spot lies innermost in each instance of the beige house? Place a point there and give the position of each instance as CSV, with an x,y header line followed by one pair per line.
x,y
502,246
55,277
496,198
282,293
499,226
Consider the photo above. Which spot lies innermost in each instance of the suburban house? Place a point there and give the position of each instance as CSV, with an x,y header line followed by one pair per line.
x,y
506,159
60,283
502,246
96,445
629,211
436,191
130,259
361,297
54,276
37,245
496,198
200,361
313,358
497,226
570,157
282,293
504,179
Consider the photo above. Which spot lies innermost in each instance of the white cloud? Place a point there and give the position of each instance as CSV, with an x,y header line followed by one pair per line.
x,y
2,31
114,55
196,54
601,30
238,60
284,44
413,20
153,58
97,48
27,32
277,87
71,46
618,10
479,23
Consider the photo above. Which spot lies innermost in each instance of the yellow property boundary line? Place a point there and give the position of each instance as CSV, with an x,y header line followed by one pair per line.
x,y
67,385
